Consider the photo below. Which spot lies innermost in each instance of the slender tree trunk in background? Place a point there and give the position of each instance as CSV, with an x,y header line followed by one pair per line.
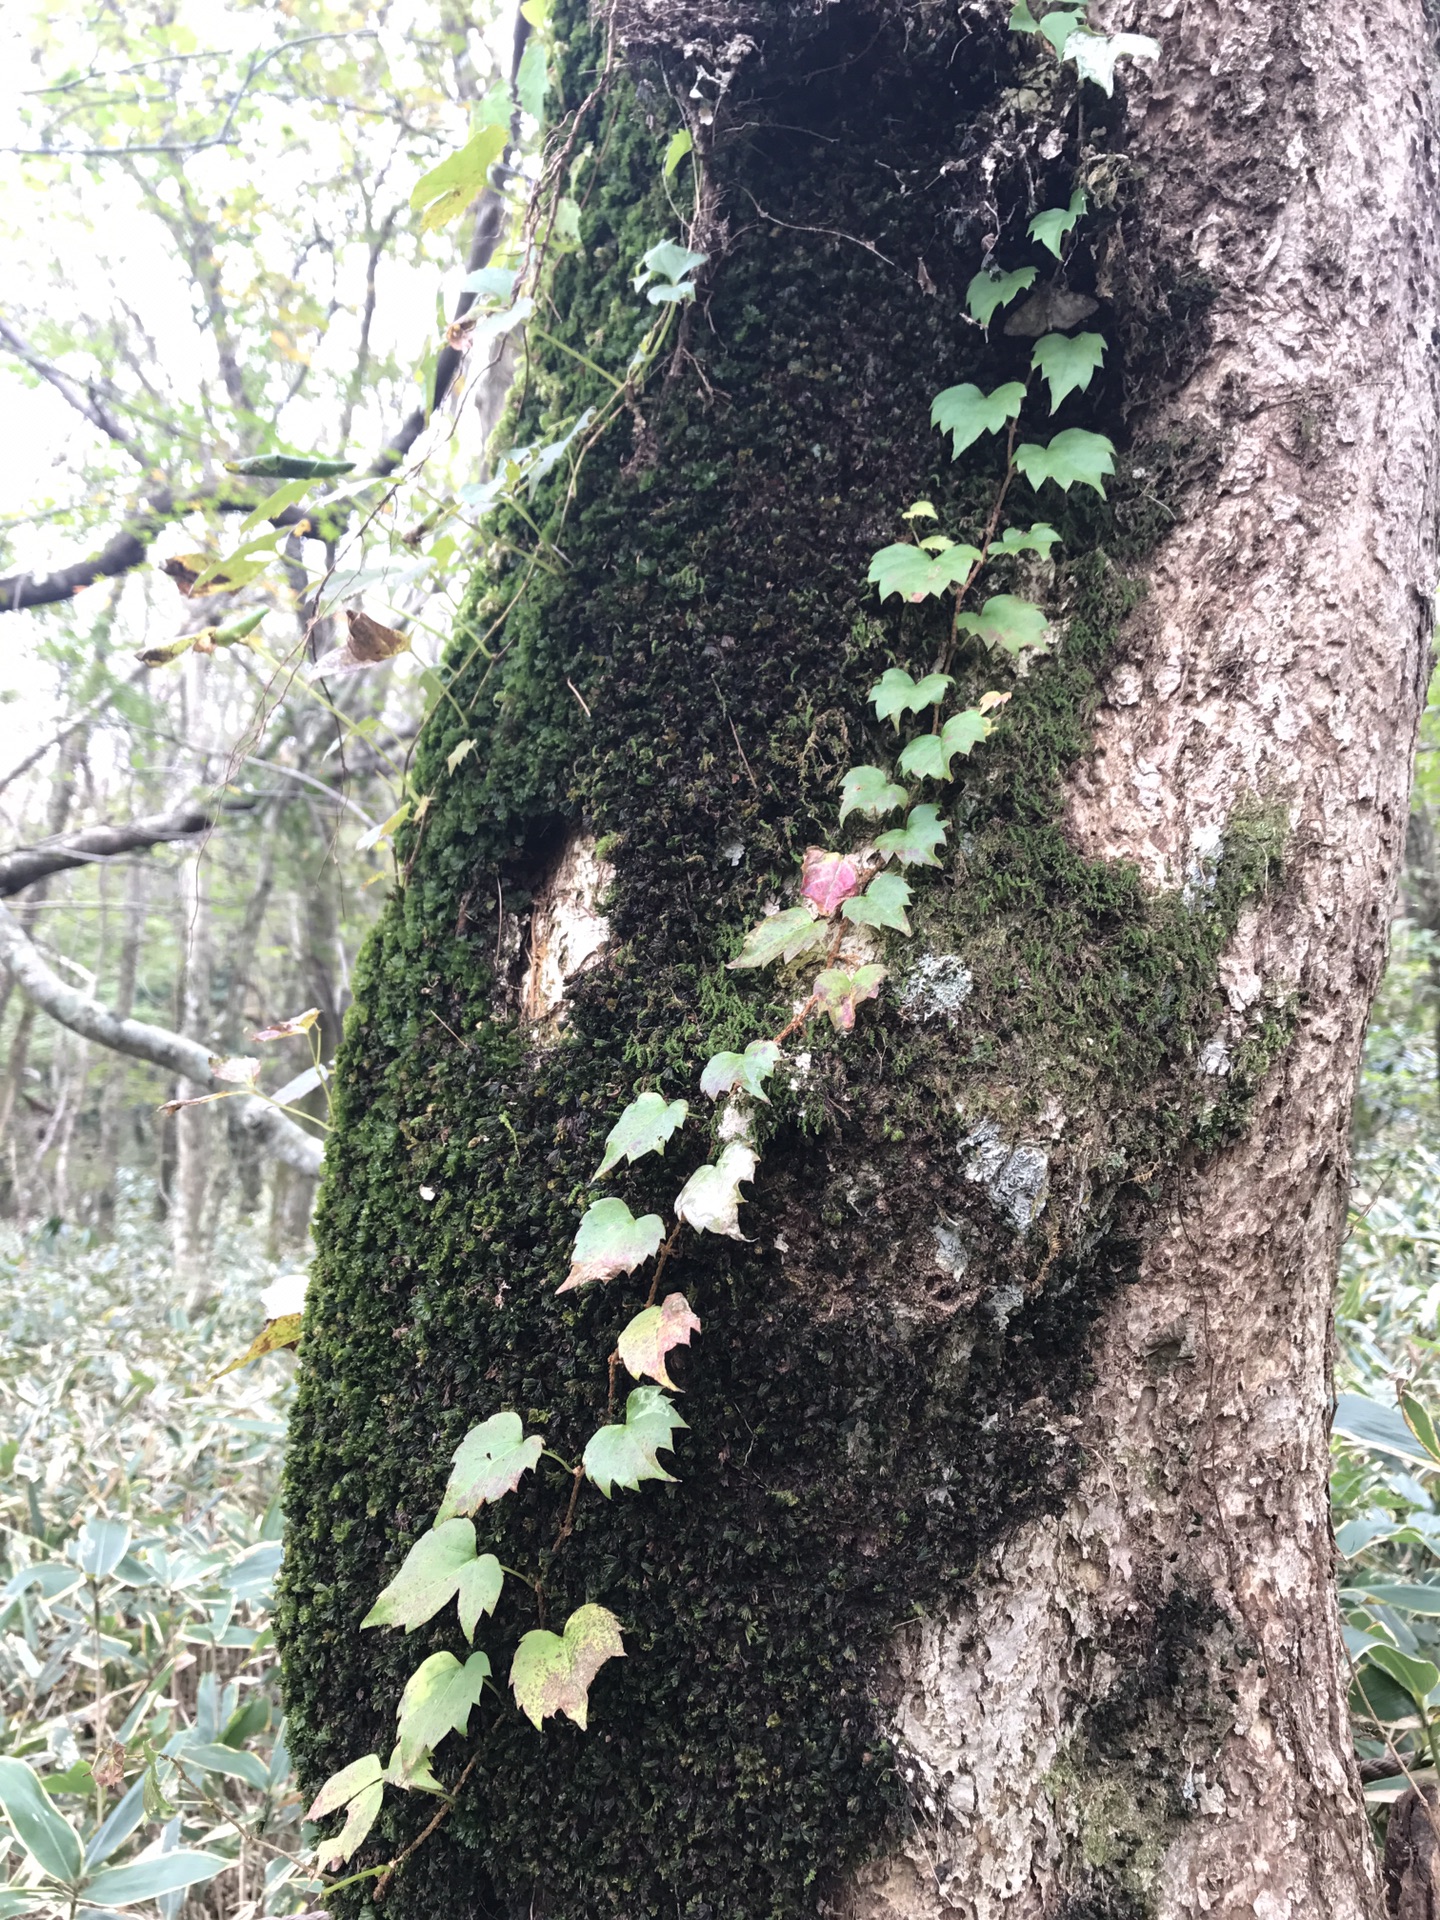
x,y
195,1133
132,935
998,1580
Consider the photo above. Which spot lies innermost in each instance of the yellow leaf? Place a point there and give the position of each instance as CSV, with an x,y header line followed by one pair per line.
x,y
284,1332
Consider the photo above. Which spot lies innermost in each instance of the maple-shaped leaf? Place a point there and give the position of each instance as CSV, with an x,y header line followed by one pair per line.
x,y
414,1775
965,412
343,1786
1051,227
988,292
897,692
361,1812
781,936
287,1029
828,878
644,1127
624,1454
441,1566
1068,362
871,792
908,570
437,1700
458,753
914,844
988,702
368,644
1073,458
839,993
928,757
551,1673
610,1241
1095,54
1007,622
724,1072
652,1333
239,1069
1036,539
489,1462
709,1201
882,904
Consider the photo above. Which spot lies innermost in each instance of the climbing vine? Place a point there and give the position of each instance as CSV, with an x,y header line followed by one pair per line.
x,y
829,946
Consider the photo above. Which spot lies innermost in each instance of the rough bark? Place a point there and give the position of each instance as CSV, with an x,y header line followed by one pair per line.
x,y
1030,1343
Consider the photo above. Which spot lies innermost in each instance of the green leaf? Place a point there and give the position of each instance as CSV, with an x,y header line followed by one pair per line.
x,y
234,1762
838,993
965,412
489,1462
644,1127
669,261
882,904
907,569
724,1072
914,844
610,1241
1058,26
644,1344
624,1455
103,1544
929,756
1037,539
1007,622
896,692
532,81
477,1591
709,1201
1095,54
1022,20
1050,228
781,936
1417,1418
1418,1677
988,291
447,190
428,1578
551,1674
679,145
276,502
38,1824
1376,1425
437,1700
492,283
458,753
344,1785
141,1880
1068,362
289,466
870,792
1072,456
360,1816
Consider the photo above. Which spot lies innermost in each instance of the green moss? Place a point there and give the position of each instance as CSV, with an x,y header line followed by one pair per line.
x,y
863,1422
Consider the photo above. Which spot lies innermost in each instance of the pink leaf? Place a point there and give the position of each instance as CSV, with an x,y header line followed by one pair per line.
x,y
828,878
652,1333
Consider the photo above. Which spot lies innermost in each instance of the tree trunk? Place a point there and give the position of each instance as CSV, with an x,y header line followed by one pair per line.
x,y
998,1577
195,1129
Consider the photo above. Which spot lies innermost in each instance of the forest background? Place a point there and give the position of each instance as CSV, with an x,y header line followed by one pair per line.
x,y
212,208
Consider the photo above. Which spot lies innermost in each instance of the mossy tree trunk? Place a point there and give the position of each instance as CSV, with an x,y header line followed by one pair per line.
x,y
997,1577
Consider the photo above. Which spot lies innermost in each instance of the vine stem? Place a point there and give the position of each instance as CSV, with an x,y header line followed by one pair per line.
x,y
991,528
425,1832
665,1253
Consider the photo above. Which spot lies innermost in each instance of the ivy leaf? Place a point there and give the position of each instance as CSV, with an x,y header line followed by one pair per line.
x,y
929,756
750,1070
1039,538
965,412
896,692
1095,54
446,191
610,1241
781,936
457,754
668,261
871,792
1050,228
644,1127
343,1786
430,1576
1022,20
826,879
652,1333
488,1463
478,1591
1072,456
624,1455
709,1201
906,569
921,510
437,1700
988,291
360,1816
418,1776
839,993
1007,622
551,1674
1068,362
676,149
1058,26
914,844
882,904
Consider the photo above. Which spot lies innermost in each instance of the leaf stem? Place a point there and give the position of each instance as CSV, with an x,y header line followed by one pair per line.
x,y
387,1872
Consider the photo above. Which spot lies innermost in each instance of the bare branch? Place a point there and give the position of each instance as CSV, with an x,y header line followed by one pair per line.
x,y
90,845
85,400
272,1130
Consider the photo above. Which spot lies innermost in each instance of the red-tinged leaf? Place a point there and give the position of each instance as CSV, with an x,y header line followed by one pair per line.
x,y
287,1029
490,1462
610,1241
651,1334
838,993
828,878
551,1674
240,1069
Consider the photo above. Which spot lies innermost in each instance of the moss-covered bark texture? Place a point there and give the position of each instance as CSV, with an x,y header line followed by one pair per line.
x,y
892,1404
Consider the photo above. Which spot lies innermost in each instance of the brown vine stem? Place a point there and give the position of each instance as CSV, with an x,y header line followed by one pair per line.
x,y
577,1478
665,1253
425,1832
991,528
